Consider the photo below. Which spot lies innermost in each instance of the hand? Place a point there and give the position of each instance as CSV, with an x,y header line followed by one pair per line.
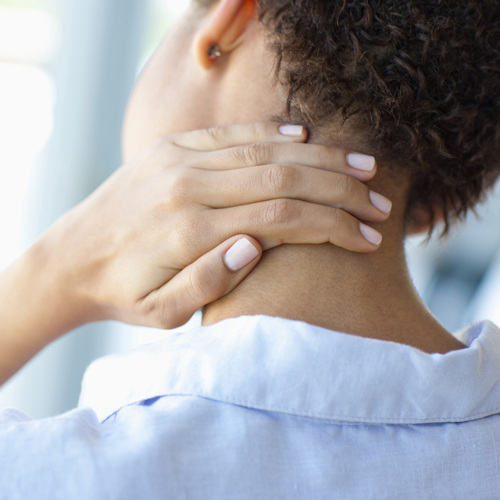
x,y
150,246
135,250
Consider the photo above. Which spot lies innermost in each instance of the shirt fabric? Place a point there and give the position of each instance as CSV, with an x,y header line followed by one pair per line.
x,y
268,408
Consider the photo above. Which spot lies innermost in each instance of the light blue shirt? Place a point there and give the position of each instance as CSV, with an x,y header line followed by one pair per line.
x,y
266,408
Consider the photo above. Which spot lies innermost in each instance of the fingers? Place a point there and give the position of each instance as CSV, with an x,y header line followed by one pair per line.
x,y
212,276
223,189
361,167
216,138
283,220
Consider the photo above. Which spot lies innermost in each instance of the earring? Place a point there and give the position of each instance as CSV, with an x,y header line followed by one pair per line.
x,y
213,51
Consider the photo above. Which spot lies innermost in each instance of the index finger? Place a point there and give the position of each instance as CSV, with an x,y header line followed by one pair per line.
x,y
215,138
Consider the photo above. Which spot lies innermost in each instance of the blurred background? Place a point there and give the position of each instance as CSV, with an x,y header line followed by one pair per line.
x,y
66,70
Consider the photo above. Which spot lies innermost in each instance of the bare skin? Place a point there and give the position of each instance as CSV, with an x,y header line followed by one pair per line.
x,y
368,295
154,243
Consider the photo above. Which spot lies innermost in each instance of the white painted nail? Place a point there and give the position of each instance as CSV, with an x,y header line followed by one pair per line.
x,y
240,255
380,202
361,162
293,130
372,236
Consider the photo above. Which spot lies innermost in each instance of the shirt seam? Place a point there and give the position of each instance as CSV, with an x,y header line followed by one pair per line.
x,y
319,415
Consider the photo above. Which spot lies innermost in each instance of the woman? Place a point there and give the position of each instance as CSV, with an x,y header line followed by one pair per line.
x,y
258,405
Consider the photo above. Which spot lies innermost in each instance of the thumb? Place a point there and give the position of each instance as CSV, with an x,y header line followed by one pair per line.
x,y
212,276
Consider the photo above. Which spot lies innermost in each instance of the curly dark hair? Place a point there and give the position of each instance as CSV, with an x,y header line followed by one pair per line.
x,y
421,78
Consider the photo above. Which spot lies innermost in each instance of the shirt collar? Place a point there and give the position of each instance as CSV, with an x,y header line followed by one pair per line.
x,y
295,368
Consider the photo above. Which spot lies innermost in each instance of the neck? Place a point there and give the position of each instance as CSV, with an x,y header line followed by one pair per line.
x,y
366,295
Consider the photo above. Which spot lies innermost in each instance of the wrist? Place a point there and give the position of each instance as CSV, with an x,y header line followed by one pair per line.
x,y
52,286
31,313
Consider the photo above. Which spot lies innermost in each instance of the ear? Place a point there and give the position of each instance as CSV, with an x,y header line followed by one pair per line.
x,y
226,27
421,222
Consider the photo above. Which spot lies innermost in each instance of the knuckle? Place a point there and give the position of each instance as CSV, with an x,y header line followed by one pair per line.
x,y
180,186
161,314
203,284
346,185
279,179
217,133
181,236
196,282
337,218
156,152
351,185
160,144
165,321
256,130
322,155
256,153
279,212
188,229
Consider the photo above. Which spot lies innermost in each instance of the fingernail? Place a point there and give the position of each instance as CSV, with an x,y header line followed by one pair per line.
x,y
374,237
361,162
293,130
381,202
240,255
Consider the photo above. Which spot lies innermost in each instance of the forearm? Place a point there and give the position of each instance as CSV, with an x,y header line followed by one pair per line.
x,y
34,310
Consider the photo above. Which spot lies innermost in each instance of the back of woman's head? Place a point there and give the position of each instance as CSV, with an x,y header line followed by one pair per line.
x,y
419,80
